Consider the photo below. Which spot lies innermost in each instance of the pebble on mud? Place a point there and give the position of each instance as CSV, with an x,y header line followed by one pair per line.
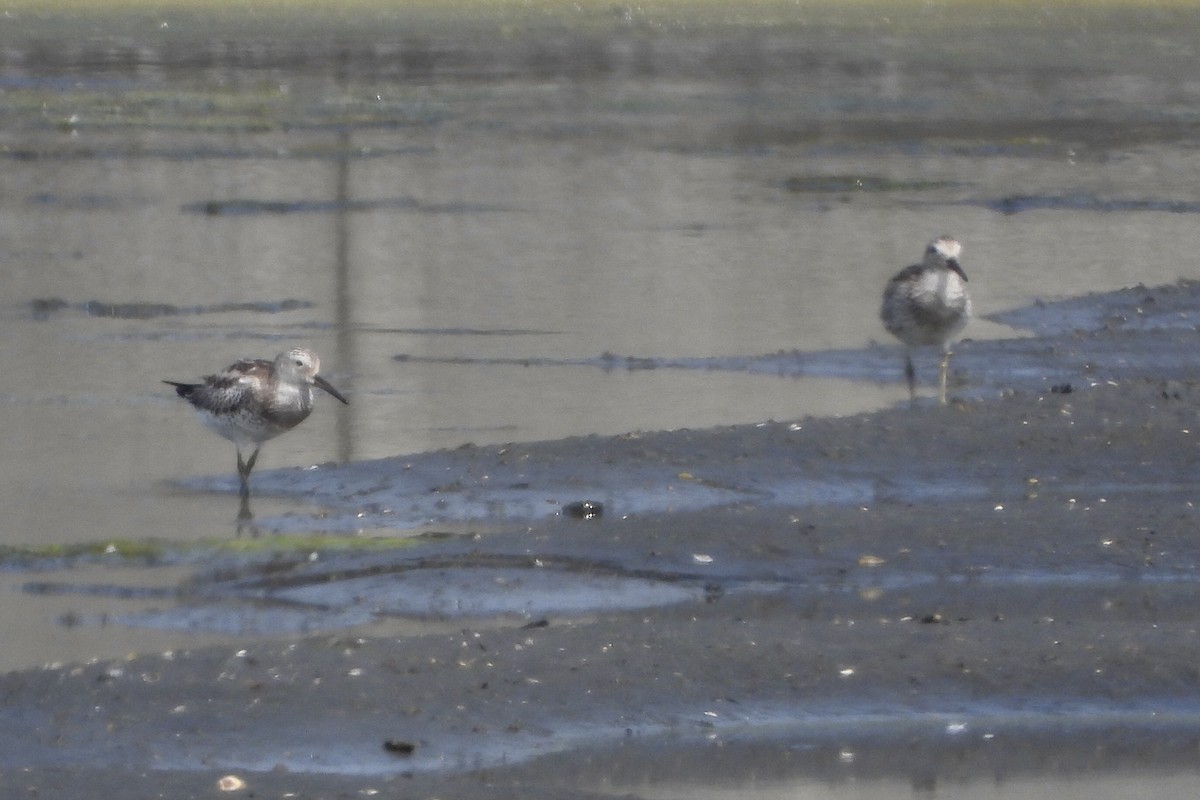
x,y
584,509
399,747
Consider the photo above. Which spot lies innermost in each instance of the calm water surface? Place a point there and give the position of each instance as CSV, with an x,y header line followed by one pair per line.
x,y
491,188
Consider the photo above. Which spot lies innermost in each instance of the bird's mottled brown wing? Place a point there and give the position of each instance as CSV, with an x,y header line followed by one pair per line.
x,y
895,287
906,274
230,390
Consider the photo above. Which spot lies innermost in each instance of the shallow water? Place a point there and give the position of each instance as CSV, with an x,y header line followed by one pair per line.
x,y
480,195
175,201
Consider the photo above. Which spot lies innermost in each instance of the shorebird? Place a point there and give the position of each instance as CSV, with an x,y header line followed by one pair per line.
x,y
927,304
255,400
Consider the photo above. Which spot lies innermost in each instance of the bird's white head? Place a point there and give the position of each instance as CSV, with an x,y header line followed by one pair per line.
x,y
943,253
301,365
298,362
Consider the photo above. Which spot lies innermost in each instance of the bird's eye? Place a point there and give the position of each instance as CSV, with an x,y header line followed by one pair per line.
x,y
299,362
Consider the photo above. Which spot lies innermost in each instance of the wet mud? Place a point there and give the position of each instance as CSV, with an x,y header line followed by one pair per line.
x,y
982,584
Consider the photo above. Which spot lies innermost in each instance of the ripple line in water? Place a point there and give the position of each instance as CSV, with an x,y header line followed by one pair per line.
x,y
1083,202
44,307
245,207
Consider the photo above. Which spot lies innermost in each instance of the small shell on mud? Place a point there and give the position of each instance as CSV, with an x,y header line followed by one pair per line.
x,y
231,783
871,561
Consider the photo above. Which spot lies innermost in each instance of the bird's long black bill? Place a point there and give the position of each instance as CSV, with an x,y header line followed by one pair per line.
x,y
954,265
183,389
327,386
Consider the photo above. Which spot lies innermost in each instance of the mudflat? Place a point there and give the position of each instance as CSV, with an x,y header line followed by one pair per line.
x,y
999,589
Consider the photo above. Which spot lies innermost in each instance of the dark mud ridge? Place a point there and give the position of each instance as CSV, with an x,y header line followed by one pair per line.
x,y
1005,587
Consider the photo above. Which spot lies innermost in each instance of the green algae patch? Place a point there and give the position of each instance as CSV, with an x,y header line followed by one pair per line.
x,y
176,21
121,549
210,109
164,551
861,183
315,543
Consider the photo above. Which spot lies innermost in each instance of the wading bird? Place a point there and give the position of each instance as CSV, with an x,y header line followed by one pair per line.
x,y
927,304
252,401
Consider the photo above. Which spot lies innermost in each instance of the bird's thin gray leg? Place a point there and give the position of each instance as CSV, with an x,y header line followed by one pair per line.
x,y
910,373
245,519
244,468
942,379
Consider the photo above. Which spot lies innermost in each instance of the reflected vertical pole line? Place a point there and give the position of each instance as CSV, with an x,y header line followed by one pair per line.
x,y
344,339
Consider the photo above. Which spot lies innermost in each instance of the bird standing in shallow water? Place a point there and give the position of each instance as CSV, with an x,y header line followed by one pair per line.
x,y
928,304
252,401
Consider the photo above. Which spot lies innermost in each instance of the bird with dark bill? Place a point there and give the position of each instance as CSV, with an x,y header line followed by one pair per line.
x,y
255,400
927,304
